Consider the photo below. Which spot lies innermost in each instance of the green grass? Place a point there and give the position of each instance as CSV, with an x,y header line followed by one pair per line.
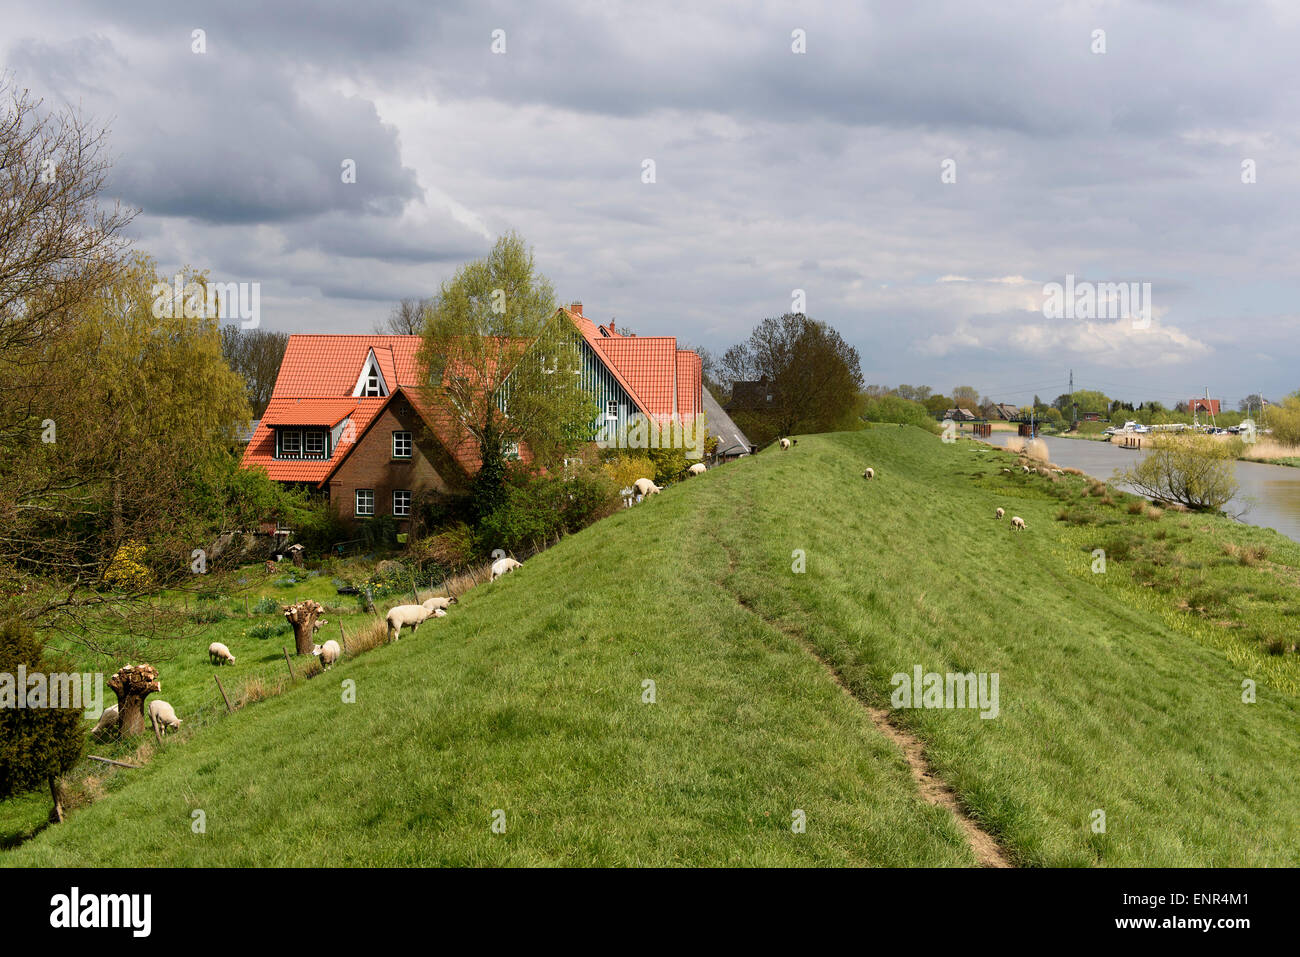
x,y
528,697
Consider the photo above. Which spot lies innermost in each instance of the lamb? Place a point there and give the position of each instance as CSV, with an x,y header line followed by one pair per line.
x,y
999,513
219,654
696,469
328,653
869,474
1026,468
412,615
163,716
503,565
107,720
645,487
1017,523
439,601
785,444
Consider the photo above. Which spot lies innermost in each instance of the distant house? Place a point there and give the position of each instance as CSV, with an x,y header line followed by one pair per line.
x,y
1090,416
349,417
732,443
751,396
1002,411
1203,405
959,415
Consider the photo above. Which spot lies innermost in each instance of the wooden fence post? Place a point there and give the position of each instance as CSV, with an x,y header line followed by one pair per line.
x,y
342,635
223,694
288,662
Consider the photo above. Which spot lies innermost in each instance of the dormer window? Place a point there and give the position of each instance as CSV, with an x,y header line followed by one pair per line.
x,y
299,443
371,382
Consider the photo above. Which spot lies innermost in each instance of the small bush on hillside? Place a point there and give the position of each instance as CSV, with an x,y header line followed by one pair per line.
x,y
268,629
208,615
625,468
266,606
453,547
127,569
540,508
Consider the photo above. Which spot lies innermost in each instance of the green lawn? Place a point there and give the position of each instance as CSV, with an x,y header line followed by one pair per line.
x,y
528,697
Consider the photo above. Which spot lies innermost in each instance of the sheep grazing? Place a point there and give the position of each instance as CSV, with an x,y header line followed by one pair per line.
x,y
785,444
163,716
869,474
999,513
411,616
328,653
1017,523
503,565
645,487
440,601
219,654
1026,469
697,469
107,720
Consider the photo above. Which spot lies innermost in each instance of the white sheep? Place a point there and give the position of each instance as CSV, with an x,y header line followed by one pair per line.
x,y
999,513
697,469
328,653
412,616
1017,523
163,716
645,487
219,654
785,444
1026,469
503,565
440,601
106,721
869,474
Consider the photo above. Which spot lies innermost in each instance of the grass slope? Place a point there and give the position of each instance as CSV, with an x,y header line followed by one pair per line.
x,y
528,698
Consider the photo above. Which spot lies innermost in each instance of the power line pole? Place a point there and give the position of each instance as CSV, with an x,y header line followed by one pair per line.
x,y
1074,409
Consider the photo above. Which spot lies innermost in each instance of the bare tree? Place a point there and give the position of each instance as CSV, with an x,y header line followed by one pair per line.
x,y
256,355
406,317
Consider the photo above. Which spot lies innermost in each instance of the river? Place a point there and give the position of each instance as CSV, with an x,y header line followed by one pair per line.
x,y
1269,495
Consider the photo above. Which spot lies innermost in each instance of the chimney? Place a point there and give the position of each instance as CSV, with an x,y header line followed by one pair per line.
x,y
576,307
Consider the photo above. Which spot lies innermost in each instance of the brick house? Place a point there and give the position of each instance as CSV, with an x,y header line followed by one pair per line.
x,y
349,417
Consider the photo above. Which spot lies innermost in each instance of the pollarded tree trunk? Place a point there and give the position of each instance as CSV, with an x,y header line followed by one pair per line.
x,y
132,685
303,618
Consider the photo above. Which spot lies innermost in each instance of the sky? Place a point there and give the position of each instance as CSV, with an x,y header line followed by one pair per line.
x,y
921,171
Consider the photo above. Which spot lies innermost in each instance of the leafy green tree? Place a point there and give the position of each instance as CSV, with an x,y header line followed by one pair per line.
x,y
1192,470
37,744
813,374
505,364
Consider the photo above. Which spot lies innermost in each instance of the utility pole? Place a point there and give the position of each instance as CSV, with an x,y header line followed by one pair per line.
x,y
1074,409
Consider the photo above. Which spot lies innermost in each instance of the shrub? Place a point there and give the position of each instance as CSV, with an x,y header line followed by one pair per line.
x,y
453,547
1192,470
209,615
379,532
37,745
266,606
624,469
268,629
127,570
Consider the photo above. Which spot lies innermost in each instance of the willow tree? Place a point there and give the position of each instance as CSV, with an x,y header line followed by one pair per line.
x,y
505,364
1192,470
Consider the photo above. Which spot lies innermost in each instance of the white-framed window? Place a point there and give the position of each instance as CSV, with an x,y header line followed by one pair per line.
x,y
512,450
401,502
365,504
611,410
313,443
401,445
290,442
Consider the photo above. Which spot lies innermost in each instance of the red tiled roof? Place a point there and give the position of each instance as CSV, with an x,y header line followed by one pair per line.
x,y
324,365
295,411
690,384
649,364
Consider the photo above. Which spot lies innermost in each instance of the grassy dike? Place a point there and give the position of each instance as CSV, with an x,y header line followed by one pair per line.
x,y
528,698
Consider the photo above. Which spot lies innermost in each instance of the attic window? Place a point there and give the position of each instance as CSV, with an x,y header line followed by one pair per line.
x,y
611,409
371,381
